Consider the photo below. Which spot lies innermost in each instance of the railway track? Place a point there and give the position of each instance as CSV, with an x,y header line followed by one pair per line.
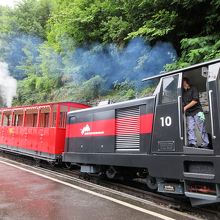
x,y
131,189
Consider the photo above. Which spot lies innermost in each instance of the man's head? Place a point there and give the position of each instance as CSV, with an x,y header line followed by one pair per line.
x,y
186,83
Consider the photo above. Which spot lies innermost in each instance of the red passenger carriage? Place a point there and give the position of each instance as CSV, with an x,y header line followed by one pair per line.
x,y
37,130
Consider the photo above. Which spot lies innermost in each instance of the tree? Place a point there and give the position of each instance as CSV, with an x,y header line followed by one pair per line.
x,y
31,17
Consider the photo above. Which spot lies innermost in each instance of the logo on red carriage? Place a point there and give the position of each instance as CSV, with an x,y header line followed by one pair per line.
x,y
86,130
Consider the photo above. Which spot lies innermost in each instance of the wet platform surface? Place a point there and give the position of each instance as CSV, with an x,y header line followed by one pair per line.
x,y
27,196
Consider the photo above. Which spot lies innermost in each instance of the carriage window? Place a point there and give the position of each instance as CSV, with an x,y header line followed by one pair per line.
x,y
18,119
62,122
29,120
44,120
35,120
7,120
54,119
169,89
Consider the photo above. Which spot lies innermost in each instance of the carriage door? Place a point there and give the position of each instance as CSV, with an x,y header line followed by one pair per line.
x,y
168,122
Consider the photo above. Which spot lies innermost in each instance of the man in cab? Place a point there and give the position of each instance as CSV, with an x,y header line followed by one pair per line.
x,y
194,115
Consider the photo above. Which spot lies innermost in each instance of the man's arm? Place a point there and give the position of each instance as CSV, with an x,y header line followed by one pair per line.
x,y
190,105
195,99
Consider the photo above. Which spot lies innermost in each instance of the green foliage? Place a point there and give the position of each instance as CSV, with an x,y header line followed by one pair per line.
x,y
124,86
147,91
31,16
115,29
157,27
35,89
130,94
72,18
196,50
6,20
90,89
121,91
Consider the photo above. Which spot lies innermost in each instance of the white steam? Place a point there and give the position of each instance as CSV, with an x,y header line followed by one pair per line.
x,y
8,85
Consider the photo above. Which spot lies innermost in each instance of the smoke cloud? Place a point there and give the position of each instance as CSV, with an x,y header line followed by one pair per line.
x,y
138,59
8,85
134,62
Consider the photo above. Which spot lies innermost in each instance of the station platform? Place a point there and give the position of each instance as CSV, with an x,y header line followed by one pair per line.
x,y
28,195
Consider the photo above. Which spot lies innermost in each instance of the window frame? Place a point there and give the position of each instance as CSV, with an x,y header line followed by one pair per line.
x,y
178,86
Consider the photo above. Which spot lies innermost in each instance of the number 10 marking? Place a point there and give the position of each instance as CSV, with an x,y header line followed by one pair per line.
x,y
166,121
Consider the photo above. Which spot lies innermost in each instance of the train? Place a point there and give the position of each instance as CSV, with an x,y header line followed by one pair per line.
x,y
142,138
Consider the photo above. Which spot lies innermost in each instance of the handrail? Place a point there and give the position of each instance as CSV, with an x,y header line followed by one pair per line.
x,y
211,114
179,117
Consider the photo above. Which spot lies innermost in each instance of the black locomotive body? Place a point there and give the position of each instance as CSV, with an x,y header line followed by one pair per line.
x,y
147,137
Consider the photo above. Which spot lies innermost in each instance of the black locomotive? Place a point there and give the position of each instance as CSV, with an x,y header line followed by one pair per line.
x,y
146,137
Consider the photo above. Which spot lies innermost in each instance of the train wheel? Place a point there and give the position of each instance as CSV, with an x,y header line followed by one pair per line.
x,y
151,183
111,173
68,165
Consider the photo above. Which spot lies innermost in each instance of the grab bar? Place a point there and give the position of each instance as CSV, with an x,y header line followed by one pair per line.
x,y
211,114
179,117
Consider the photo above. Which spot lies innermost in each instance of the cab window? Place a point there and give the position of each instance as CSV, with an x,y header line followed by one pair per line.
x,y
169,89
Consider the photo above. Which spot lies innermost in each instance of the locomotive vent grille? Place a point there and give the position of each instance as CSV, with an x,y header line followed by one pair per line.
x,y
128,129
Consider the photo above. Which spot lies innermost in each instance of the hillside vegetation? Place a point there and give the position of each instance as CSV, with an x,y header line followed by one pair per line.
x,y
90,50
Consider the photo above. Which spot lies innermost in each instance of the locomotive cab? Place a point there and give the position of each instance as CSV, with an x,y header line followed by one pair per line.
x,y
170,133
200,166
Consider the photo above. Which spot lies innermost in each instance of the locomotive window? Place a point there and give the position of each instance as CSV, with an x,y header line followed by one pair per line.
x,y
169,89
